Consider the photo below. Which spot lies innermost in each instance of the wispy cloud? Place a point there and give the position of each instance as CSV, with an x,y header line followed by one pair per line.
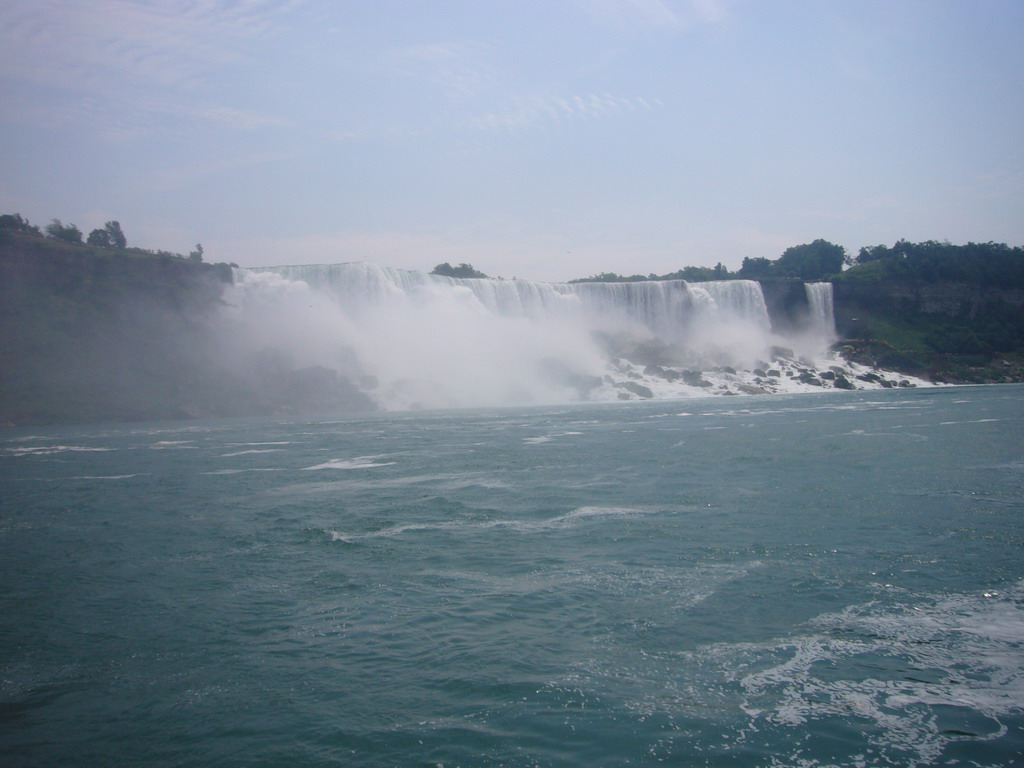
x,y
553,110
457,69
97,44
654,14
117,64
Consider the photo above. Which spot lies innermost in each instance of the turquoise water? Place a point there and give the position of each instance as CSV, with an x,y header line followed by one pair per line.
x,y
808,580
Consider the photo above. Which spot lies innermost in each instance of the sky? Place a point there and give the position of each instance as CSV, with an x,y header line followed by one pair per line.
x,y
539,139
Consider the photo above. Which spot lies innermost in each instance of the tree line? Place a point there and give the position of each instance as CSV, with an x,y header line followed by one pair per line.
x,y
819,260
109,236
992,264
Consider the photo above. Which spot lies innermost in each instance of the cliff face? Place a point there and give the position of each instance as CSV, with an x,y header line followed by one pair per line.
x,y
959,300
89,334
954,332
787,304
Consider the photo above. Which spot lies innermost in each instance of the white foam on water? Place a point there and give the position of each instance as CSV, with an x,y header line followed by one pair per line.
x,y
44,450
973,421
238,471
106,477
260,442
904,668
587,512
473,526
253,450
360,462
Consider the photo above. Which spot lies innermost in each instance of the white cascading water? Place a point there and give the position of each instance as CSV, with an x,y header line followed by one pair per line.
x,y
822,314
419,340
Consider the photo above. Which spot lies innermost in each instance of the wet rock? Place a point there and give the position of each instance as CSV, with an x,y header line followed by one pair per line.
x,y
696,379
637,389
663,373
750,389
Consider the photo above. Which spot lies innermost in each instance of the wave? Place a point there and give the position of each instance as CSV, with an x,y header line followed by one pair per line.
x,y
522,526
362,462
43,450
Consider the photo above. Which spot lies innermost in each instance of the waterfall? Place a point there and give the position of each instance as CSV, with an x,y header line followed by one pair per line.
x,y
822,322
416,339
664,307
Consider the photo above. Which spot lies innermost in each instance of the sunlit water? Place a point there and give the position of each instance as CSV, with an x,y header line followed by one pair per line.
x,y
813,580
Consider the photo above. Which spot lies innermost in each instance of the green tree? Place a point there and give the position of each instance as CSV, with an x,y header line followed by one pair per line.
x,y
67,233
870,253
757,267
463,270
813,261
114,233
196,254
99,238
16,222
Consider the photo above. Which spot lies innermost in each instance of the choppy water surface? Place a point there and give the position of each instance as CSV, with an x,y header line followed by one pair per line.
x,y
833,580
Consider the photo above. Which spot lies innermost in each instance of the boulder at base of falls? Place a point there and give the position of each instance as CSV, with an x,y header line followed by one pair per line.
x,y
637,389
665,373
750,389
696,379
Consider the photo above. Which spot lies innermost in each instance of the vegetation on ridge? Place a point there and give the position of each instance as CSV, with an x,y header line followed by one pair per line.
x,y
462,271
819,260
110,237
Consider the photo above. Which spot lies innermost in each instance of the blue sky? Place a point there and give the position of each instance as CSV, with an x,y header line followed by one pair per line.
x,y
544,139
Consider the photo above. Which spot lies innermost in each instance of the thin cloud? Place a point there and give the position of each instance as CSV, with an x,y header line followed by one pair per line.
x,y
457,69
643,13
654,14
103,44
117,64
554,110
